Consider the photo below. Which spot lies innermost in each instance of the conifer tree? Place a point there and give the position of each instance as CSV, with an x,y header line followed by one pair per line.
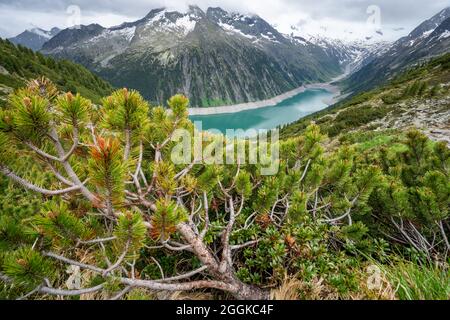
x,y
113,205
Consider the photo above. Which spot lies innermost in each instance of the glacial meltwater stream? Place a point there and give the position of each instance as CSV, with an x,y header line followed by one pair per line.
x,y
287,111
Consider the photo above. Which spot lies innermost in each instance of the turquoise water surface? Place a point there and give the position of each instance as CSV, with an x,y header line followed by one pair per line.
x,y
286,112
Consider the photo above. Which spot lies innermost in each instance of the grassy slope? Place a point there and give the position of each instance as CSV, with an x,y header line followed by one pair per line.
x,y
424,88
22,64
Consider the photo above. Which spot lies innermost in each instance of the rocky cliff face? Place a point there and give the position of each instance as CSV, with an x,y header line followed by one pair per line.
x,y
213,57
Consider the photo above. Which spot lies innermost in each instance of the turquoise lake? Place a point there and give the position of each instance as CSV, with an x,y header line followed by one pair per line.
x,y
286,112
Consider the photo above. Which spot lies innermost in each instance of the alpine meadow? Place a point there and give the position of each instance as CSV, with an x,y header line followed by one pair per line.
x,y
252,151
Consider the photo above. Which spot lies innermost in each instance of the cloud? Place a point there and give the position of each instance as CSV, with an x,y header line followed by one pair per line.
x,y
17,15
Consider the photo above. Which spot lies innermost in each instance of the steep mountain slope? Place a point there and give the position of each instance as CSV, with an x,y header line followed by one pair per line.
x,y
34,38
418,98
19,64
429,39
213,57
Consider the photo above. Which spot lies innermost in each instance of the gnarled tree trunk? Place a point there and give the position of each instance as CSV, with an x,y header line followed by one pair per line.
x,y
221,270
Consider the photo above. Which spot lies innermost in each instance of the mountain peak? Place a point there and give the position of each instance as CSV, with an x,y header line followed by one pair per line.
x,y
445,12
153,13
428,26
194,9
77,33
34,38
92,26
43,33
442,32
215,9
430,39
55,30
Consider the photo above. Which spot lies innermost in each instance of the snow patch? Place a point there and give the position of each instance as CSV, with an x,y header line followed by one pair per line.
x,y
270,38
427,33
184,24
187,23
297,40
444,35
41,33
128,33
230,28
159,16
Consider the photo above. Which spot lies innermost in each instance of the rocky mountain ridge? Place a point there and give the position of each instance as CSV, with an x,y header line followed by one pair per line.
x,y
34,38
214,57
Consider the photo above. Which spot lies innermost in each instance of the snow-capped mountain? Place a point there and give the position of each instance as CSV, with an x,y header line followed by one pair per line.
x,y
424,29
249,26
367,34
214,57
429,39
34,38
218,57
352,54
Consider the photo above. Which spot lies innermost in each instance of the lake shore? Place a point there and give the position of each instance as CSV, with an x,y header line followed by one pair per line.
x,y
269,102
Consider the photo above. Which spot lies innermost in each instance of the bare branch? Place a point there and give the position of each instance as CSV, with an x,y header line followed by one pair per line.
x,y
69,170
120,260
405,234
249,220
59,292
226,252
346,214
28,185
150,284
186,170
184,276
61,158
187,286
159,267
105,256
58,175
444,236
122,293
186,247
139,164
41,152
143,177
241,206
169,137
305,171
246,244
73,262
91,127
35,290
207,223
74,145
316,199
96,240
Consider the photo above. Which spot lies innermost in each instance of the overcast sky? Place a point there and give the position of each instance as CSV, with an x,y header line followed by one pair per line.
x,y
334,18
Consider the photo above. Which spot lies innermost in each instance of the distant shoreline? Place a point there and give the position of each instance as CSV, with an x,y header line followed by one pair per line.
x,y
269,102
